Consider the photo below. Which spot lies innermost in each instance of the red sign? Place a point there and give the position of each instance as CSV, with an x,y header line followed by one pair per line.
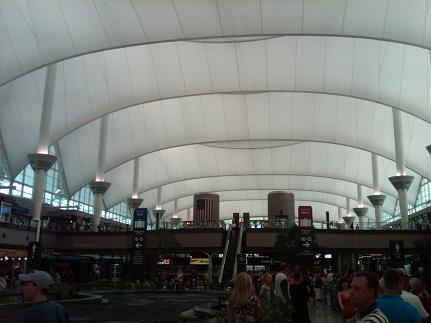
x,y
305,216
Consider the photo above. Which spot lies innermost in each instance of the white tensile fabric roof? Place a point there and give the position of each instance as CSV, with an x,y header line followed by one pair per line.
x,y
237,97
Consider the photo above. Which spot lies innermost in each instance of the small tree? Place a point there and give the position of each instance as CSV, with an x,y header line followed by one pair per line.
x,y
289,245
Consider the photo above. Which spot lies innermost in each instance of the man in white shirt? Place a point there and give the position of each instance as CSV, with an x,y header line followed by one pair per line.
x,y
412,299
281,283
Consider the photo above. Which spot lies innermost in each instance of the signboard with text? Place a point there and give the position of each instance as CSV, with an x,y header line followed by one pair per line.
x,y
305,216
307,240
396,252
140,217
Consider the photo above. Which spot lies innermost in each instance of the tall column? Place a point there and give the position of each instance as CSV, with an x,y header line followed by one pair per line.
x,y
99,186
340,221
41,162
401,181
360,211
134,202
348,218
158,214
377,199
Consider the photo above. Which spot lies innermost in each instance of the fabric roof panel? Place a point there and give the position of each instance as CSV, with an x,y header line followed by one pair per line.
x,y
87,32
206,23
194,66
323,16
120,22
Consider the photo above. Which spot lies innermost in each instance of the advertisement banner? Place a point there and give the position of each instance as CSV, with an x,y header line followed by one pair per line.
x,y
305,216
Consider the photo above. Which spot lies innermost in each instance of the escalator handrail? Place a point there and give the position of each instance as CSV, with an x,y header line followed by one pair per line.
x,y
220,275
238,249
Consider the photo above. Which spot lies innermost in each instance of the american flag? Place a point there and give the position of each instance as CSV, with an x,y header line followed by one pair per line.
x,y
204,209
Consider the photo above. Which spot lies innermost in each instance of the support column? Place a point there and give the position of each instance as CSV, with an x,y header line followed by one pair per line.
x,y
134,202
340,221
158,215
99,186
360,211
40,163
349,217
401,181
98,189
377,199
402,184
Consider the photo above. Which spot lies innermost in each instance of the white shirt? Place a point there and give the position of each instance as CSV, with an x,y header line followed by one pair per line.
x,y
414,301
278,292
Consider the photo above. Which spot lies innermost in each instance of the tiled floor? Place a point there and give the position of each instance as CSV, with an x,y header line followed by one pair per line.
x,y
323,315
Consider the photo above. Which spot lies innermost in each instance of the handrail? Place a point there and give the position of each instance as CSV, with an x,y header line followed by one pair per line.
x,y
238,249
220,275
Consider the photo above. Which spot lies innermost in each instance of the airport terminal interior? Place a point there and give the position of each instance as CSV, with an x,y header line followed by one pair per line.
x,y
152,151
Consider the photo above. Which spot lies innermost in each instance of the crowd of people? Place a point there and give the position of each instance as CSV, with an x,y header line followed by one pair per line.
x,y
394,296
360,297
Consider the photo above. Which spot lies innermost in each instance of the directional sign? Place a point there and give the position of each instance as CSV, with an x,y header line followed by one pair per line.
x,y
140,217
138,247
306,240
34,254
396,252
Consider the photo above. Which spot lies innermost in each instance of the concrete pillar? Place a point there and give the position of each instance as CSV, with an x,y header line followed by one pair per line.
x,y
377,199
360,211
99,186
158,214
401,181
134,202
348,218
402,184
47,108
98,189
40,163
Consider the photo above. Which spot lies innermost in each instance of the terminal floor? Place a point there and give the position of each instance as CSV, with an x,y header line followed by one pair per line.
x,y
148,308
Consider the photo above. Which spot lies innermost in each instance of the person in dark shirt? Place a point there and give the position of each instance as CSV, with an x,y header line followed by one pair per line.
x,y
299,296
34,289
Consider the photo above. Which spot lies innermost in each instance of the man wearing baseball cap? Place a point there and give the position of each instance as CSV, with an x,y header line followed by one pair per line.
x,y
34,287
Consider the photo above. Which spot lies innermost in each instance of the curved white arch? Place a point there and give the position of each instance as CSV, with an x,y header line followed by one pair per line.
x,y
95,85
268,116
196,161
40,33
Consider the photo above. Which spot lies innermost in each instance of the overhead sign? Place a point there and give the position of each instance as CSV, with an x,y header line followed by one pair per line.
x,y
199,261
305,216
396,251
34,254
138,247
140,217
306,240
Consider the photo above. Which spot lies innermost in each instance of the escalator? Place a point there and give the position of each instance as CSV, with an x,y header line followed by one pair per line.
x,y
232,248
